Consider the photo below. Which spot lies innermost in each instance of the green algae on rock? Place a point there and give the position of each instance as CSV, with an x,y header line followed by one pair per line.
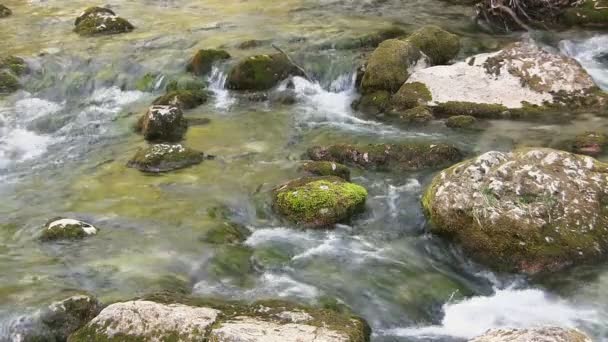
x,y
388,66
318,202
232,264
226,233
66,316
590,143
411,95
8,82
389,157
203,61
326,168
419,115
461,121
175,317
439,45
184,99
5,11
165,157
66,229
371,40
532,210
163,123
590,13
14,64
260,72
373,103
101,21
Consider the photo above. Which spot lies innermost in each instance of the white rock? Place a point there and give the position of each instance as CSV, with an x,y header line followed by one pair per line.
x,y
542,334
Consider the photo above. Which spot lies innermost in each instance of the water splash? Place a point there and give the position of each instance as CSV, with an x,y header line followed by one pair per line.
x,y
217,83
593,56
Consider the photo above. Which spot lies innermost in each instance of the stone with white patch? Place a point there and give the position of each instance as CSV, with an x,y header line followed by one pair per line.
x,y
65,228
540,334
531,210
163,123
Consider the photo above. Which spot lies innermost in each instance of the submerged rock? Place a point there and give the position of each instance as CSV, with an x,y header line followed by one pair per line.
x,y
183,98
227,233
14,64
461,121
531,211
100,21
165,157
541,334
8,82
203,61
389,157
171,317
326,168
519,76
64,228
590,143
260,72
66,316
163,123
439,45
390,65
5,11
317,202
415,116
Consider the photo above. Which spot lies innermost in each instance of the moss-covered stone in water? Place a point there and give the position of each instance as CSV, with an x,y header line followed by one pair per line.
x,y
92,10
367,41
325,168
461,121
416,116
184,99
590,143
190,84
202,62
317,202
66,229
387,67
478,110
146,83
411,95
101,23
8,83
373,103
232,263
592,13
163,123
5,11
389,157
16,65
165,157
439,45
226,233
260,72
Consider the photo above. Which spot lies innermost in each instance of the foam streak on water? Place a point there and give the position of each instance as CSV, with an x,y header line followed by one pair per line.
x,y
508,308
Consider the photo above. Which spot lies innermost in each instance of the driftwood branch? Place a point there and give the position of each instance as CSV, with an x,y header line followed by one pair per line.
x,y
513,16
302,71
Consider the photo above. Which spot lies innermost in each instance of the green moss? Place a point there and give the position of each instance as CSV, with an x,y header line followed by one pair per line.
x,y
439,45
477,110
189,84
593,13
366,41
260,72
373,103
92,10
16,65
411,95
8,83
415,116
590,143
146,83
165,157
270,258
5,11
461,121
233,264
389,157
203,61
185,99
226,233
100,24
387,67
66,232
319,202
325,168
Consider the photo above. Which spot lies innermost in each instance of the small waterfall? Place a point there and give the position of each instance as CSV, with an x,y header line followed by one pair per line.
x,y
592,53
217,84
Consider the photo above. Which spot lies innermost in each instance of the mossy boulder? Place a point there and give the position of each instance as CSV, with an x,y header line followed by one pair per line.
x,y
326,168
411,95
14,64
389,157
531,211
461,122
66,316
101,21
260,72
420,115
186,83
8,82
232,264
203,61
66,229
533,334
389,65
589,13
319,202
371,40
373,103
174,317
184,99
5,11
165,157
476,110
439,45
590,143
163,123
226,233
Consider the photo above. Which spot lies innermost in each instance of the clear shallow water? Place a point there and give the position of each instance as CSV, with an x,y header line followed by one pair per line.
x,y
64,141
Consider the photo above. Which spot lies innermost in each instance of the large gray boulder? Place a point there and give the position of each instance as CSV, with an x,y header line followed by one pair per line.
x,y
532,210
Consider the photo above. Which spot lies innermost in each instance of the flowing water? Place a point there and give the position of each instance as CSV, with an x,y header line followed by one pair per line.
x,y
65,139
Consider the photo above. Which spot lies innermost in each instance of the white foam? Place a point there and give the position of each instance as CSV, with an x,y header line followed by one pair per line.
x,y
586,52
18,145
217,84
31,108
508,308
